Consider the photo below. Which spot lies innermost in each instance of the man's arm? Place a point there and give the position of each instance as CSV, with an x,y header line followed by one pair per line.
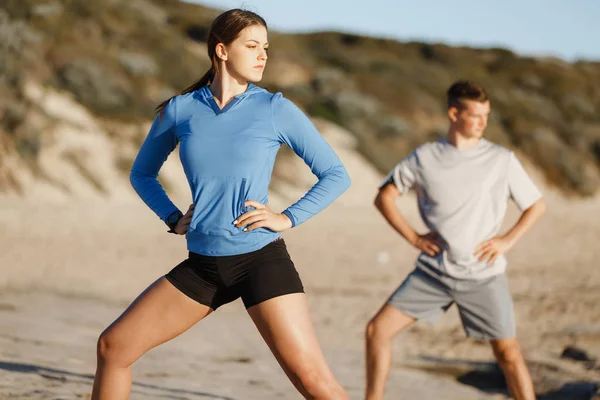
x,y
492,248
385,202
526,221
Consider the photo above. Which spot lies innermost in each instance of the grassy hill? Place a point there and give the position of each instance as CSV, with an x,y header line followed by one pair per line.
x,y
119,58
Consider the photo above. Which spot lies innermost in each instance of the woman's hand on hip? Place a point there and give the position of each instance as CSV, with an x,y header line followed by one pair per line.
x,y
262,217
184,222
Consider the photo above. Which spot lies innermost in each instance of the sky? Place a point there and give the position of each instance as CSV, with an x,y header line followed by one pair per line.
x,y
569,29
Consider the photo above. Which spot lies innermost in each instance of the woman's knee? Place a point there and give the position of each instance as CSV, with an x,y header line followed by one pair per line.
x,y
113,349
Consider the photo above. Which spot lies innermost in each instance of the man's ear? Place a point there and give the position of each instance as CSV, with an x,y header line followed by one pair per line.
x,y
453,113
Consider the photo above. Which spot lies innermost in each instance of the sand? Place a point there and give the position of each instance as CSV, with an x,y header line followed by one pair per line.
x,y
70,264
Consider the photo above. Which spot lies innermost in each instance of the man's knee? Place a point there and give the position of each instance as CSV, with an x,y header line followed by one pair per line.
x,y
387,324
378,330
507,353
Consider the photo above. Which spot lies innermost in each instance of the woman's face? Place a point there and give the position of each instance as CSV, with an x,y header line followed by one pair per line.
x,y
246,56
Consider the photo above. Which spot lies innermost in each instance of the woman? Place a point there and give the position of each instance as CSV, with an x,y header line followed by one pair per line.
x,y
229,132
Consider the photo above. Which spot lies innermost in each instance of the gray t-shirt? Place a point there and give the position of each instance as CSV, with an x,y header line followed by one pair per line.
x,y
462,195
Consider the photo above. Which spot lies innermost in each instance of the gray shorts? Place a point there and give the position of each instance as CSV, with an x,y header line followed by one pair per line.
x,y
485,307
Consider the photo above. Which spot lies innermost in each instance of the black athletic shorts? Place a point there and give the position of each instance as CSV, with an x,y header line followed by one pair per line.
x,y
255,277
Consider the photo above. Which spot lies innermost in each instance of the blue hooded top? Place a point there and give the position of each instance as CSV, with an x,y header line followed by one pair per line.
x,y
227,156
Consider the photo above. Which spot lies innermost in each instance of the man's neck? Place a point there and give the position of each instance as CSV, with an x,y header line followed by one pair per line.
x,y
461,142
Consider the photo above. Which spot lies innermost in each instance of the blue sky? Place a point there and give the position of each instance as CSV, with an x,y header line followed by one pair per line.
x,y
565,29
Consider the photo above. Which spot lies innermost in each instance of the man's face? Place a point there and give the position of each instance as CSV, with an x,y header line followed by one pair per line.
x,y
470,118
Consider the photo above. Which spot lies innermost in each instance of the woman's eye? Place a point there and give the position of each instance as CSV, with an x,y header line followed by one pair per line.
x,y
251,47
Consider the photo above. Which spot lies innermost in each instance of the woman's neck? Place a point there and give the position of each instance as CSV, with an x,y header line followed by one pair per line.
x,y
225,88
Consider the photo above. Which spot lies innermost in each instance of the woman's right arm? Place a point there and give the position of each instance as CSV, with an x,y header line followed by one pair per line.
x,y
159,143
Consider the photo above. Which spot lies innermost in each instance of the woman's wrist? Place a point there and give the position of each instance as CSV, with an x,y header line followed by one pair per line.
x,y
288,222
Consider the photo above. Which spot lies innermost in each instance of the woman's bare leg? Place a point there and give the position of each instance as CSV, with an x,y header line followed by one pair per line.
x,y
284,322
159,314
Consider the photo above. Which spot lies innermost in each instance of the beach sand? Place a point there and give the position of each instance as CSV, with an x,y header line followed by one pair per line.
x,y
69,266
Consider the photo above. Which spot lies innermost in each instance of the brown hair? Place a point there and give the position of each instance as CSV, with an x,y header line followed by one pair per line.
x,y
465,90
224,29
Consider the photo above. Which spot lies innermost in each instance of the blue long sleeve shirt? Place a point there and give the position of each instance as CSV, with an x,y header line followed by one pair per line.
x,y
228,156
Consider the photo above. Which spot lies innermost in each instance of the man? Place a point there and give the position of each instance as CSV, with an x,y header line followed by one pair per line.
x,y
462,182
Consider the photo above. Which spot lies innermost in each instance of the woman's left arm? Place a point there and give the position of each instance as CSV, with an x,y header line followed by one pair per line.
x,y
296,130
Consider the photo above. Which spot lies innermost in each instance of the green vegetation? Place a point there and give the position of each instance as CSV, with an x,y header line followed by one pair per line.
x,y
120,58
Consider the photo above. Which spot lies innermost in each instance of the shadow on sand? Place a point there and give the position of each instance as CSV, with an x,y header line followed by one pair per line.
x,y
64,376
551,383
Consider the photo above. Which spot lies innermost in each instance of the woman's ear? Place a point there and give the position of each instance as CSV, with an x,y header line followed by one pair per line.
x,y
221,52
